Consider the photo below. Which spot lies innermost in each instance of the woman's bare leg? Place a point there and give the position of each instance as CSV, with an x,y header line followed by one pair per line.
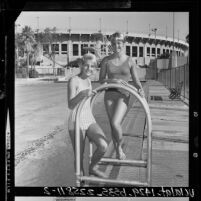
x,y
96,136
109,106
117,118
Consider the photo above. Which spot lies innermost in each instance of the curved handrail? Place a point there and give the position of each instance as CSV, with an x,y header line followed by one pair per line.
x,y
124,83
121,85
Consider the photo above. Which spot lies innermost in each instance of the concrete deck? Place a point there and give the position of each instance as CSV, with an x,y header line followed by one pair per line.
x,y
170,120
50,163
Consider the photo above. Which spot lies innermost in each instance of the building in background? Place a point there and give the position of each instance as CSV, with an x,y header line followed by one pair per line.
x,y
142,48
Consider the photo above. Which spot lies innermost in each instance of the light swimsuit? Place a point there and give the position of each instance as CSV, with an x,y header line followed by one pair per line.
x,y
86,116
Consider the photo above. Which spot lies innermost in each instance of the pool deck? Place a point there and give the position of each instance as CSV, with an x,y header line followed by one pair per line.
x,y
170,145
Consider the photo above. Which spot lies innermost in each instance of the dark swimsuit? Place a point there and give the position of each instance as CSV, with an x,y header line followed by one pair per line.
x,y
118,72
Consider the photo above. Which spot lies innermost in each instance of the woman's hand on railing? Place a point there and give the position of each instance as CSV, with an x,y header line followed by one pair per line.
x,y
85,93
141,93
93,92
88,93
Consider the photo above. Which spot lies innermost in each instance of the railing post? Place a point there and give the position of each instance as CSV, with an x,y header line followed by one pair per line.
x,y
184,81
175,74
77,145
90,151
179,73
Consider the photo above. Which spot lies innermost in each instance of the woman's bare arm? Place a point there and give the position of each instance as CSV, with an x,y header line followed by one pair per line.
x,y
103,70
74,99
135,77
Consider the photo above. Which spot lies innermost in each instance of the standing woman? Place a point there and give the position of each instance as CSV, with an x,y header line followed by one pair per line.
x,y
118,66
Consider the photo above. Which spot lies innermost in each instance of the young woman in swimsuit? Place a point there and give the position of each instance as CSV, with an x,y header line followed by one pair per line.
x,y
118,66
80,87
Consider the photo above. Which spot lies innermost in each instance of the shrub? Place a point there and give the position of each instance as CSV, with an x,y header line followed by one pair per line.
x,y
21,72
33,73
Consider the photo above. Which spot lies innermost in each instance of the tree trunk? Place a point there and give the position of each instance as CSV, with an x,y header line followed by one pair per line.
x,y
54,65
34,62
27,65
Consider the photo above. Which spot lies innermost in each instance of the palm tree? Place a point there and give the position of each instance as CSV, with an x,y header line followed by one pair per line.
x,y
27,40
50,37
34,54
17,47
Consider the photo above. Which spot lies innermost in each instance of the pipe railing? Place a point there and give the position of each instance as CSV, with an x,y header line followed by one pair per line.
x,y
119,84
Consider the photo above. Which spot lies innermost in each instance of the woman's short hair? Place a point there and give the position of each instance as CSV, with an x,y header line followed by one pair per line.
x,y
117,36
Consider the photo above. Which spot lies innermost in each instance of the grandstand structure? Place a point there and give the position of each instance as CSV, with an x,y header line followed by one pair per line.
x,y
69,46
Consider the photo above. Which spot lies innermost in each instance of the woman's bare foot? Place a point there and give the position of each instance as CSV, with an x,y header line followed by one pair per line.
x,y
120,154
97,173
82,183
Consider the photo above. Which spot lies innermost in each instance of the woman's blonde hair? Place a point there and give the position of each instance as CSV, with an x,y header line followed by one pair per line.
x,y
87,57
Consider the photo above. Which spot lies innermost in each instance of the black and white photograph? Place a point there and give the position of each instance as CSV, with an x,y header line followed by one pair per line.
x,y
102,99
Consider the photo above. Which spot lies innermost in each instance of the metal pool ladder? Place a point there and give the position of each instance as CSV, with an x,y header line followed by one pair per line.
x,y
137,163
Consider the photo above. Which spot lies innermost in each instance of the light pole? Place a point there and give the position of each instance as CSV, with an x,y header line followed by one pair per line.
x,y
127,27
155,30
37,23
178,35
37,28
68,47
149,30
100,23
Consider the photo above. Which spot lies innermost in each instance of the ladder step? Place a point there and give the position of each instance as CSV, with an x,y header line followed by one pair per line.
x,y
113,181
114,161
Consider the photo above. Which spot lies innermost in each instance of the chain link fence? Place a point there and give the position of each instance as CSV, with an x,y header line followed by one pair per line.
x,y
39,72
171,77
